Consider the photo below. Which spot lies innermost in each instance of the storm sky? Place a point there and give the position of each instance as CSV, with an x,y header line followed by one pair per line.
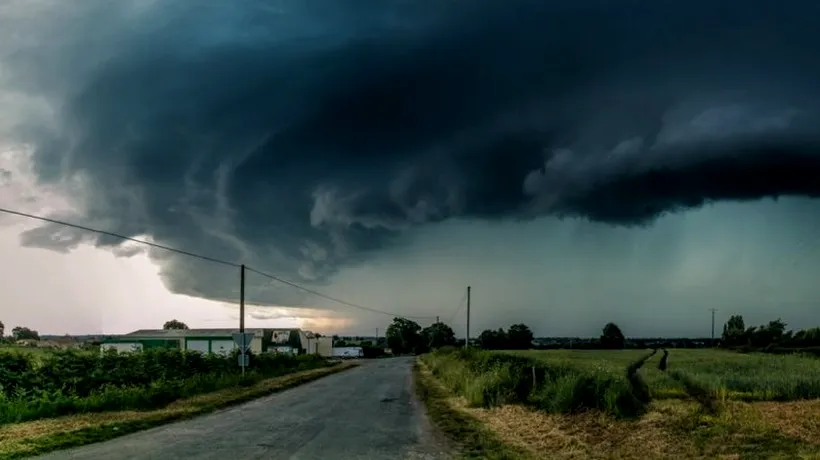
x,y
576,162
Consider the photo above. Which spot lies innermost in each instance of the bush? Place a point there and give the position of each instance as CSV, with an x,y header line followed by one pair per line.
x,y
487,379
67,382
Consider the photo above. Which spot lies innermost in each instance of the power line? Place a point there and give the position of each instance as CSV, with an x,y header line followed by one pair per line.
x,y
334,299
458,309
209,259
117,235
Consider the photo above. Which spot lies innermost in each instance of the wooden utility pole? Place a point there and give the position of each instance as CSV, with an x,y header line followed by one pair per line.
x,y
242,299
467,340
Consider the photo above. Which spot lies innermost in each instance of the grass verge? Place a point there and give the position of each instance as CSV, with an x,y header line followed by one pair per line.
x,y
22,440
473,438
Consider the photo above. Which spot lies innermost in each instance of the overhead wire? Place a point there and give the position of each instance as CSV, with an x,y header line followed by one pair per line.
x,y
117,235
210,259
331,298
458,309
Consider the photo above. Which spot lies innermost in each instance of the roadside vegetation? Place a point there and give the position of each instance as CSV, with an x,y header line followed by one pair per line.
x,y
66,382
23,440
60,392
489,379
624,403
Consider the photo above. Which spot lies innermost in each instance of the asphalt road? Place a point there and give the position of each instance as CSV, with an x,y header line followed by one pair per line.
x,y
368,412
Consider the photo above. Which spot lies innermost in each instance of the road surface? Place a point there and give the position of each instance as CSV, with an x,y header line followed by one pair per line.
x,y
368,412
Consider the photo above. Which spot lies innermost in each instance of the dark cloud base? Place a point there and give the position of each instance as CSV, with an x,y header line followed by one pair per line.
x,y
301,139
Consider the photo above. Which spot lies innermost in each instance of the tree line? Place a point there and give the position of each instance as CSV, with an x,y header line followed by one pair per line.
x,y
18,333
407,336
773,334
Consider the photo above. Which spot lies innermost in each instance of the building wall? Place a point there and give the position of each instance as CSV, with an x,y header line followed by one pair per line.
x,y
221,345
121,347
304,341
203,343
284,349
325,346
200,345
148,343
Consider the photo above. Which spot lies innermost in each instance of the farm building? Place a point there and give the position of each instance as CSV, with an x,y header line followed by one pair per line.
x,y
322,346
209,340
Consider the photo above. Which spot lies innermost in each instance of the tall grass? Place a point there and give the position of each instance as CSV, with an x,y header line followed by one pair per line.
x,y
70,382
756,376
490,379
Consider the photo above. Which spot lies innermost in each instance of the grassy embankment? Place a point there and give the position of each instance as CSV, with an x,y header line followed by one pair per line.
x,y
708,404
64,399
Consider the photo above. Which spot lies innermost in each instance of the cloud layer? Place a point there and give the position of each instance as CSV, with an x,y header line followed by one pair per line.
x,y
301,137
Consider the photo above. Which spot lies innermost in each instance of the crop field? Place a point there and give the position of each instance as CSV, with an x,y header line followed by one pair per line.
x,y
724,374
705,403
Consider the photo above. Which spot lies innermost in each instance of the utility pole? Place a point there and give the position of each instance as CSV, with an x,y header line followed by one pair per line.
x,y
713,310
242,299
467,340
242,311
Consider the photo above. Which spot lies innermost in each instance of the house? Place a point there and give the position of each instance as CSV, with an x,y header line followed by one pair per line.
x,y
207,340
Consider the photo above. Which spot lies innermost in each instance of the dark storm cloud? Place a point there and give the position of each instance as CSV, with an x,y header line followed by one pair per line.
x,y
301,136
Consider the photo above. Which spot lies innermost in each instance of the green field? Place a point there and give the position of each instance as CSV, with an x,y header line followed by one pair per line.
x,y
725,374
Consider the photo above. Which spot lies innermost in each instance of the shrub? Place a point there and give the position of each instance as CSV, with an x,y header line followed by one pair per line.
x,y
71,381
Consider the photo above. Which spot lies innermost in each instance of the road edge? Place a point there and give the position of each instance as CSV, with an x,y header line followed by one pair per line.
x,y
92,435
468,435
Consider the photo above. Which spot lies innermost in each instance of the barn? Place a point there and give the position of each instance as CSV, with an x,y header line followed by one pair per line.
x,y
203,340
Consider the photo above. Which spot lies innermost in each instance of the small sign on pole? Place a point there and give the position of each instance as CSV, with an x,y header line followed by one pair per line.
x,y
243,341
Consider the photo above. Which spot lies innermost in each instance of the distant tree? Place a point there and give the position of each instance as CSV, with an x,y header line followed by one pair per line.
x,y
748,336
766,335
24,333
734,331
438,335
519,337
174,324
403,336
2,330
788,337
493,340
612,337
774,331
806,338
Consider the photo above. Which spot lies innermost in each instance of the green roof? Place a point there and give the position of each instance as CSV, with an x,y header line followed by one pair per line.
x,y
181,333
